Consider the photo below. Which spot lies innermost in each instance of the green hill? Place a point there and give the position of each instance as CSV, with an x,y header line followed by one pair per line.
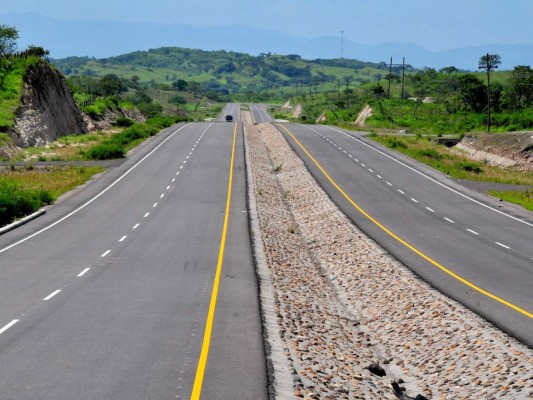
x,y
227,73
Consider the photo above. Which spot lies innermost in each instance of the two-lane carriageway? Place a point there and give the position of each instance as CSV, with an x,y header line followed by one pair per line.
x,y
477,254
147,290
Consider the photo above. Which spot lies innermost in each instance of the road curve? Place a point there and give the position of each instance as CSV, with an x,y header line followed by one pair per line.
x,y
112,301
476,254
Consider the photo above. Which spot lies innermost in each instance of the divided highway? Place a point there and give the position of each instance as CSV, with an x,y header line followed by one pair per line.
x,y
475,254
147,290
259,114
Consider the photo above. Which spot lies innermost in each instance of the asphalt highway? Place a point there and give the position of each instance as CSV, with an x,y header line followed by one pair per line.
x,y
473,252
140,286
259,114
232,109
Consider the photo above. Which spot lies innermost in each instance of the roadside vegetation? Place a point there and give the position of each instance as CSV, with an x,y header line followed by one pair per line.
x,y
452,163
24,191
525,198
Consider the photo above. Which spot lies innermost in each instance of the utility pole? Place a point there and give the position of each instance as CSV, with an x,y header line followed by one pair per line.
x,y
342,45
390,76
403,78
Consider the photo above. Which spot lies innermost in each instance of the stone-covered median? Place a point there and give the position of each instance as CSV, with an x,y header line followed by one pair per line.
x,y
349,321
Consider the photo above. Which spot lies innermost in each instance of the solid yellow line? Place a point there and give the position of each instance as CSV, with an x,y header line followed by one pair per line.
x,y
405,243
202,362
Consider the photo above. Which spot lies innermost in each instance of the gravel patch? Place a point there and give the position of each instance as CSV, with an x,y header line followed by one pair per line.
x,y
348,312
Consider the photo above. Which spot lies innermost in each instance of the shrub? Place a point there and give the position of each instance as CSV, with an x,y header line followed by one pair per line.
x,y
429,153
16,202
106,151
394,143
124,122
470,167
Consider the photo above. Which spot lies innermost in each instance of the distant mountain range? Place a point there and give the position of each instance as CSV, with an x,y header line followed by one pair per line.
x,y
105,39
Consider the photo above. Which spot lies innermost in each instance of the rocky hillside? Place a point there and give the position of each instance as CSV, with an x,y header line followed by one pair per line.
x,y
47,110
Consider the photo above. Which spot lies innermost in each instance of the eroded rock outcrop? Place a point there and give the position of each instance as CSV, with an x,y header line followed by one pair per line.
x,y
47,109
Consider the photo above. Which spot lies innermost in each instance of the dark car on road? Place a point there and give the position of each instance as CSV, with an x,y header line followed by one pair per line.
x,y
229,118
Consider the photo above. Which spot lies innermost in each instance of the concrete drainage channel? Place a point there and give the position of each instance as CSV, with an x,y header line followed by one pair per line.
x,y
353,322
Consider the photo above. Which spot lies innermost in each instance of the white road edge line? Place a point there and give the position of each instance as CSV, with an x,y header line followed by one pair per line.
x,y
98,195
83,272
51,295
433,180
5,328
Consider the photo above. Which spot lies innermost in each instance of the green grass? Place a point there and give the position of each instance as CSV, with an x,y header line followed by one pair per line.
x,y
23,192
525,199
11,89
454,165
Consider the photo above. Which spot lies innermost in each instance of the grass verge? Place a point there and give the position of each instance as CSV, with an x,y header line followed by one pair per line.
x,y
452,164
525,199
23,192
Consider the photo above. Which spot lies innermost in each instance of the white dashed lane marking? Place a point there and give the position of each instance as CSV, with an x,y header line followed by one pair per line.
x,y
51,295
5,328
471,231
83,272
105,254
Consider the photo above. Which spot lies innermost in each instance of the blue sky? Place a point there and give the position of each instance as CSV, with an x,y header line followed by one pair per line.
x,y
436,25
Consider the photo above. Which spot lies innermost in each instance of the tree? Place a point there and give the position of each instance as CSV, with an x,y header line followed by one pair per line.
x,y
134,81
448,70
37,51
110,85
489,62
471,93
177,99
8,39
519,93
180,85
378,91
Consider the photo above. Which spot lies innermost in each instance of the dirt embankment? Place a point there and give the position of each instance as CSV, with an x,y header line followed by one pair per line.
x,y
509,149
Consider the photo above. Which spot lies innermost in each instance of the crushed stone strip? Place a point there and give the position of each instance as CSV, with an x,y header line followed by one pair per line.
x,y
344,302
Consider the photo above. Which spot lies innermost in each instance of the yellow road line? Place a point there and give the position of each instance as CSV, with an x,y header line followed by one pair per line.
x,y
202,362
405,243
